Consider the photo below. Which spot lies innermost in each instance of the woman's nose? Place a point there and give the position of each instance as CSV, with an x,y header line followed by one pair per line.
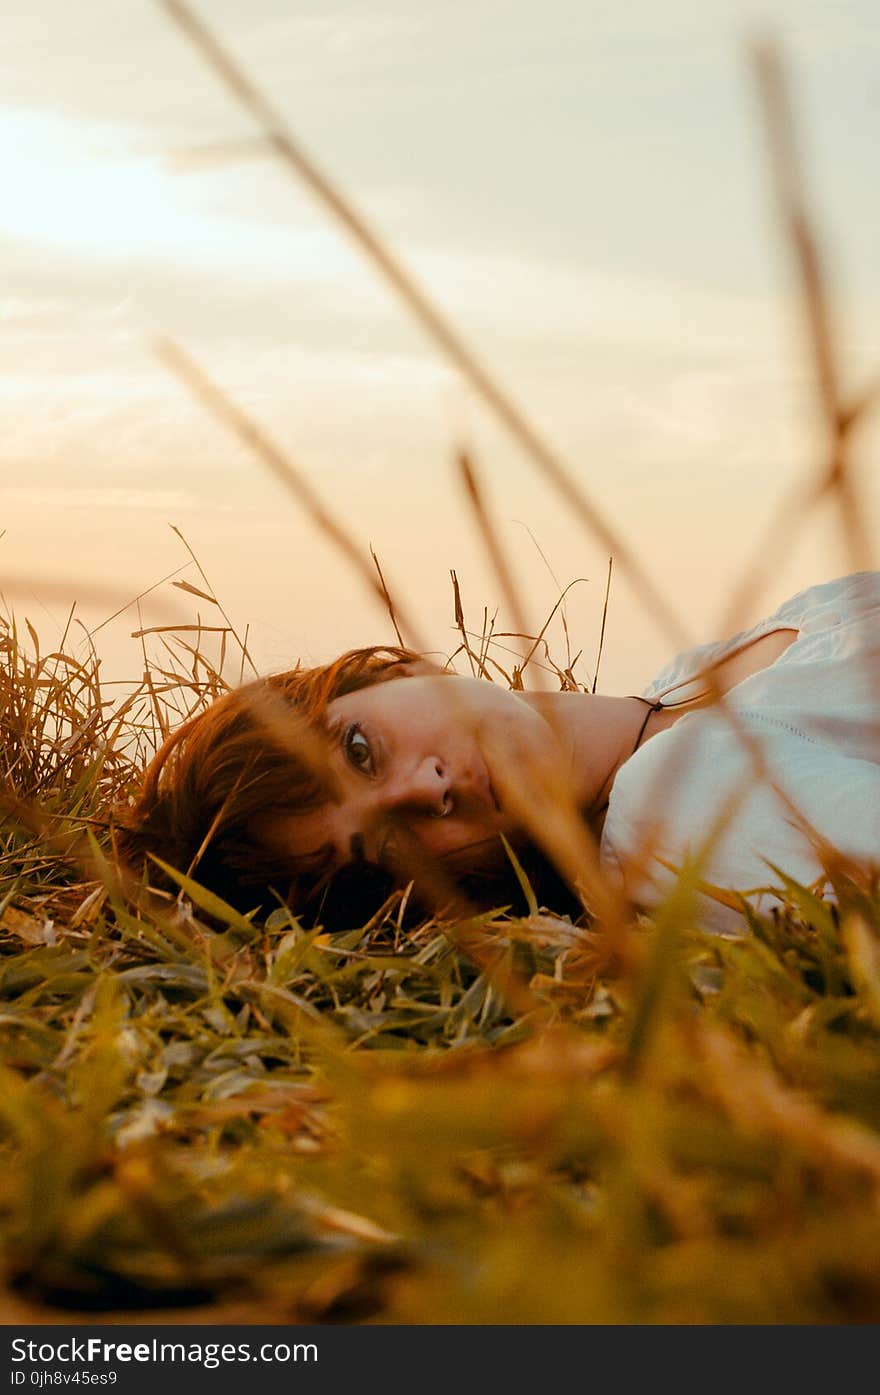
x,y
425,789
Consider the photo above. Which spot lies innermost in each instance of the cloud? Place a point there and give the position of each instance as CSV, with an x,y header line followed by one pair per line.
x,y
86,189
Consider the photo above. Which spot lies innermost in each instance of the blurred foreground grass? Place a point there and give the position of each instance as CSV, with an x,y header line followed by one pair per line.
x,y
204,1113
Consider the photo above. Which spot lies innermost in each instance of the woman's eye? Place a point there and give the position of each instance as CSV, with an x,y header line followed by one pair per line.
x,y
357,749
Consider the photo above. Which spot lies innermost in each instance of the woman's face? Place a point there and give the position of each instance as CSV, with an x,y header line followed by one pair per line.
x,y
432,754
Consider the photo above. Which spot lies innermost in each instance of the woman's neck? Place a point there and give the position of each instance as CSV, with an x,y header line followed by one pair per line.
x,y
597,734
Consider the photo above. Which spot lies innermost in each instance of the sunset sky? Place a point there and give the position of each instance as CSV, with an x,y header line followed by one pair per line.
x,y
583,189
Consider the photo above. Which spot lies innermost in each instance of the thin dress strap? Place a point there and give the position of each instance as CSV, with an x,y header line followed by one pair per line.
x,y
652,707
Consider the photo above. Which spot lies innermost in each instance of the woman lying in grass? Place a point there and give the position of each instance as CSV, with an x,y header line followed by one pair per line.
x,y
324,787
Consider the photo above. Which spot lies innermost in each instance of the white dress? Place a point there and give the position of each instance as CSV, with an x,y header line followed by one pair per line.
x,y
815,713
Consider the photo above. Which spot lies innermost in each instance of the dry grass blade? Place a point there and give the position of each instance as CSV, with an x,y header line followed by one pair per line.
x,y
569,661
242,643
476,661
428,315
474,495
135,600
388,601
602,628
861,405
789,186
840,415
565,675
528,644
180,629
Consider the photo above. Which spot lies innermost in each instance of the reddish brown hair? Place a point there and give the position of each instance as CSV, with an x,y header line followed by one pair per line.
x,y
253,754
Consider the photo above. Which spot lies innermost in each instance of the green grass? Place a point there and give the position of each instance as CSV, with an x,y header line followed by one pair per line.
x,y
204,1112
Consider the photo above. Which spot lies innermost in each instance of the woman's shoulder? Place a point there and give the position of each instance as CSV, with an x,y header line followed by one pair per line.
x,y
695,780
832,602
816,608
